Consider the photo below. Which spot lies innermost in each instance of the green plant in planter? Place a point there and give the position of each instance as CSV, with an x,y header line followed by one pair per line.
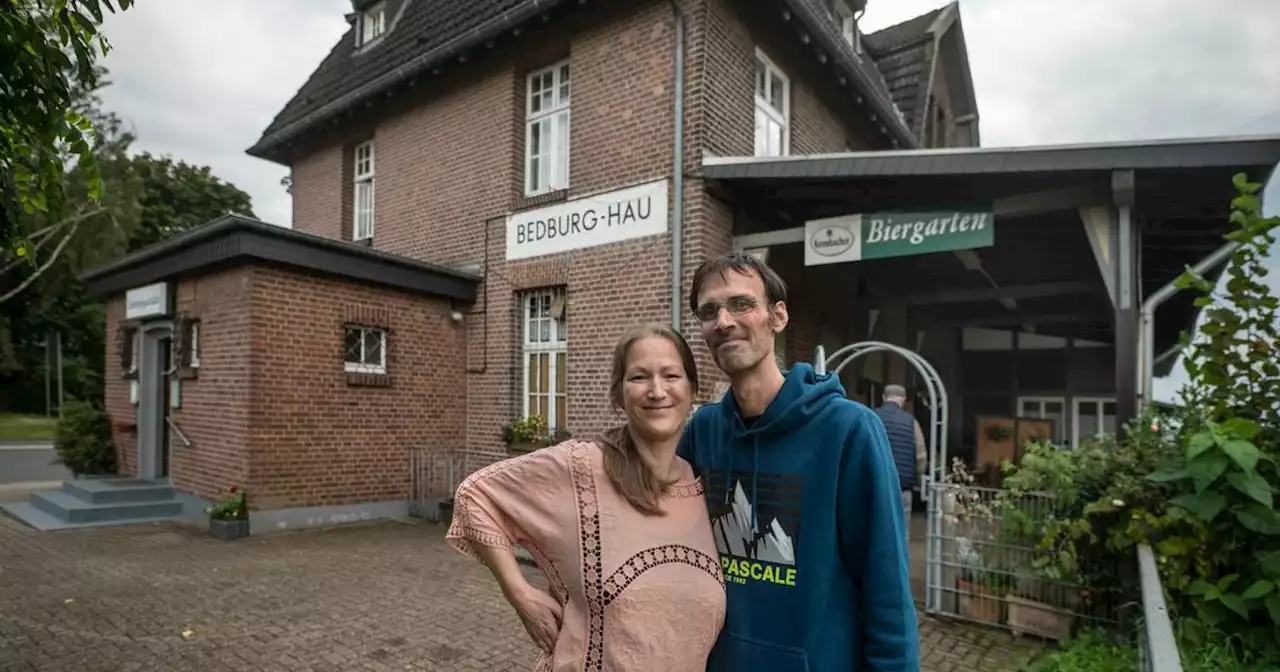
x,y
530,433
230,507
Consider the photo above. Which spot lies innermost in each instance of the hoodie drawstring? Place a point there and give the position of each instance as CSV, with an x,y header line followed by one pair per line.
x,y
755,480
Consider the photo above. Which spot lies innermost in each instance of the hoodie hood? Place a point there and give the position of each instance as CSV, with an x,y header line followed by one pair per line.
x,y
804,393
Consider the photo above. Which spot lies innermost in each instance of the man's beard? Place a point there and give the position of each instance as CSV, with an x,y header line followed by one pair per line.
x,y
740,358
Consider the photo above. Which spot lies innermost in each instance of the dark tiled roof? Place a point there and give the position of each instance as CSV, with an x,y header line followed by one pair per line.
x,y
903,34
420,33
903,53
862,68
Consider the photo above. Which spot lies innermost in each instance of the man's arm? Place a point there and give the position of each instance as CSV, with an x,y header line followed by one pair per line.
x,y
875,543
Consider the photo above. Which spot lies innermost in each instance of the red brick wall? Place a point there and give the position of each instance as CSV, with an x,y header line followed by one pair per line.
x,y
316,437
215,404
116,394
317,190
450,169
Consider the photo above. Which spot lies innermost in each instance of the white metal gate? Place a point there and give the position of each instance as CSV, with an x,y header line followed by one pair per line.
x,y
841,358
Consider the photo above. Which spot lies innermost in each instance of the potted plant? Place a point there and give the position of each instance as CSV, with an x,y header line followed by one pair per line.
x,y
524,435
529,434
229,516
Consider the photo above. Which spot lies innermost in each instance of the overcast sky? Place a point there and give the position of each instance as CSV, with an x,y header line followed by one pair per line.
x,y
199,80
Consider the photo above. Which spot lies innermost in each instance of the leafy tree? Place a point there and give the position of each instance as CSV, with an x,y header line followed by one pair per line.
x,y
142,200
47,54
178,196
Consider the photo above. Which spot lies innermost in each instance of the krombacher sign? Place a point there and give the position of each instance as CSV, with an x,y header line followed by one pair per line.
x,y
879,235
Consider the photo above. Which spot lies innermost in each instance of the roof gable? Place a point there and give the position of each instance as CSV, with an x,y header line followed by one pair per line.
x,y
905,54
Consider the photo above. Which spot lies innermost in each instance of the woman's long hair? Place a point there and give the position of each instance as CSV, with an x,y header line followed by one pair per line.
x,y
622,462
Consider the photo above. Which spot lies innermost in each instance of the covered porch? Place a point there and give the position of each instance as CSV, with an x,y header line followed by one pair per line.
x,y
1019,274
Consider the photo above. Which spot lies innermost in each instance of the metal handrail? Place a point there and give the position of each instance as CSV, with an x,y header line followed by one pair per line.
x,y
1159,648
178,430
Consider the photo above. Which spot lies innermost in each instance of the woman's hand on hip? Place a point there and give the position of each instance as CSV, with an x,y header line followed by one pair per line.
x,y
541,615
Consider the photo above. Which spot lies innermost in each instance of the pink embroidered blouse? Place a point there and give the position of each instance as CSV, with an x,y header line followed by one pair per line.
x,y
639,592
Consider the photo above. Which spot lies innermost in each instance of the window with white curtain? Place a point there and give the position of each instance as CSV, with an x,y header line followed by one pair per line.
x,y
545,352
773,108
547,131
362,227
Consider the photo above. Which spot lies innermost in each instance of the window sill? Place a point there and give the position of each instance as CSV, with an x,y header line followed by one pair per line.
x,y
189,373
522,201
355,379
363,242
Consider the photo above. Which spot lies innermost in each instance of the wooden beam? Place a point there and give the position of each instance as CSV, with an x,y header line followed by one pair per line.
x,y
1010,319
996,293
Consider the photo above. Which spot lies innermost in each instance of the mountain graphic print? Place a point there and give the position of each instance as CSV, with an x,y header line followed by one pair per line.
x,y
756,538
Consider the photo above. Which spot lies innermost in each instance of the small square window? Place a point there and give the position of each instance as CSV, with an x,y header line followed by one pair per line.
x,y
365,350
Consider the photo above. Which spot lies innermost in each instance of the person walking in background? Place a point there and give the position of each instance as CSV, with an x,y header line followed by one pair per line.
x,y
803,493
906,441
619,527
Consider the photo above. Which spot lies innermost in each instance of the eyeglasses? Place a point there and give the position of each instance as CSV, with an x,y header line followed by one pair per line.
x,y
737,306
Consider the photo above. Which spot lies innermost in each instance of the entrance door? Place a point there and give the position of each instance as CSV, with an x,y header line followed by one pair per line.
x,y
166,350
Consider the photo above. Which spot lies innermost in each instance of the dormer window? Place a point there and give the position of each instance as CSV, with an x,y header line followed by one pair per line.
x,y
373,22
848,25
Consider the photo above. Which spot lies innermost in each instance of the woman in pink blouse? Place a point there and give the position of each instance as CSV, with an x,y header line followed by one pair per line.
x,y
618,525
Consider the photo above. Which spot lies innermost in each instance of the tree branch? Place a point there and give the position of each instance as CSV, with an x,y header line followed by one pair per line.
x,y
45,235
52,258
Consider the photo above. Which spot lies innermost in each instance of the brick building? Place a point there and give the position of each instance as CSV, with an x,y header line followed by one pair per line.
x,y
486,194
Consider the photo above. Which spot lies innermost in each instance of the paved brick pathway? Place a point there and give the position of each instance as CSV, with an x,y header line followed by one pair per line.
x,y
385,596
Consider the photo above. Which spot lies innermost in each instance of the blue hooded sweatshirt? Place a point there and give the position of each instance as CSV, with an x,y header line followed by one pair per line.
x,y
807,515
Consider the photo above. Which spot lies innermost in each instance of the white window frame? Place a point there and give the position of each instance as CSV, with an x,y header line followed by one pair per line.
x,y
763,107
364,171
1060,430
373,23
848,26
533,346
1097,404
378,367
553,112
193,345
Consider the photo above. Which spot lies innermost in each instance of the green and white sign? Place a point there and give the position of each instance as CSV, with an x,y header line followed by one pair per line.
x,y
837,240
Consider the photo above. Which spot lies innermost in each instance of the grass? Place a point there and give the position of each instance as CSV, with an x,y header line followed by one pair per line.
x,y
15,427
1093,651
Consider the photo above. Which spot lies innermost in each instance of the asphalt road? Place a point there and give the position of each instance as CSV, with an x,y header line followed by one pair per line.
x,y
32,462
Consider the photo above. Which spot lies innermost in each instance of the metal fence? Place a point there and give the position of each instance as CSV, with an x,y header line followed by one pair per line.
x,y
1158,649
985,563
434,475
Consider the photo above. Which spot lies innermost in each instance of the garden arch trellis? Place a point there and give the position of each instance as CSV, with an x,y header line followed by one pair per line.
x,y
937,447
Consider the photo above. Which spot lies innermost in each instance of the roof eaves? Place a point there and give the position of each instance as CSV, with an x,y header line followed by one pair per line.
x,y
508,20
233,237
886,112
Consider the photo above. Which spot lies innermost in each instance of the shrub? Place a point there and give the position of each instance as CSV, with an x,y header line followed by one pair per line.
x,y
1197,483
83,440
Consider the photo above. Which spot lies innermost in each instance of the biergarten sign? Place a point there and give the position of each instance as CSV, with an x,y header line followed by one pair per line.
x,y
880,235
589,221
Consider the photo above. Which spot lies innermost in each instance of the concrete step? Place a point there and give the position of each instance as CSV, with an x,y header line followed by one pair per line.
x,y
117,491
72,509
25,513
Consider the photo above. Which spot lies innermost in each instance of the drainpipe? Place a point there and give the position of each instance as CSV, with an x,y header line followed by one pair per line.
x,y
1146,361
677,205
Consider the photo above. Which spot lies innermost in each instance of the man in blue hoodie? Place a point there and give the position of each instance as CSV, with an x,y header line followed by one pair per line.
x,y
803,496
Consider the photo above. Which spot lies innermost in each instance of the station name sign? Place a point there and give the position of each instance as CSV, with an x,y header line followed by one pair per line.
x,y
148,301
600,219
859,237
